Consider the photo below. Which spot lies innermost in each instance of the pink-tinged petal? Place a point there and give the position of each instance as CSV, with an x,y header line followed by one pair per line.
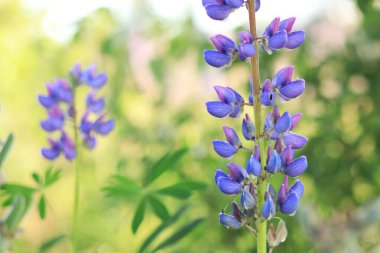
x,y
295,119
295,39
283,77
223,44
216,58
287,24
245,36
217,11
208,2
219,109
273,27
232,136
225,94
293,89
237,173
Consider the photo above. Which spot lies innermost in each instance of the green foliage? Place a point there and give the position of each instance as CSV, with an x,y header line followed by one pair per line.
x,y
42,207
182,190
139,216
122,187
158,207
6,146
51,243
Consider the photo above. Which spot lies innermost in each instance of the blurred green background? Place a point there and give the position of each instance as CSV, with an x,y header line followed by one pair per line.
x,y
158,84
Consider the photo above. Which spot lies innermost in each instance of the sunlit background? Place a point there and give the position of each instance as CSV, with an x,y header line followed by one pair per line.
x,y
158,84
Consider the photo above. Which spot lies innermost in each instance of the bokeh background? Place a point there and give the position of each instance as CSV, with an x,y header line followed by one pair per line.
x,y
158,84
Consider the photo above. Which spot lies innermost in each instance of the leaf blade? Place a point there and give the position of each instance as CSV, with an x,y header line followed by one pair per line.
x,y
139,216
6,148
42,207
159,208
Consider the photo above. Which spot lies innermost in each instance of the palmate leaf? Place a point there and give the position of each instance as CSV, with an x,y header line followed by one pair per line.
x,y
49,244
158,208
182,190
168,161
6,148
179,234
139,216
121,187
161,228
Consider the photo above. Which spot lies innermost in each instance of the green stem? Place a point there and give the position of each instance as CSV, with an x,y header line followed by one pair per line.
x,y
262,184
77,180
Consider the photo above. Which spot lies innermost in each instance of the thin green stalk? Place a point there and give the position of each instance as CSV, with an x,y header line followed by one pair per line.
x,y
262,184
77,181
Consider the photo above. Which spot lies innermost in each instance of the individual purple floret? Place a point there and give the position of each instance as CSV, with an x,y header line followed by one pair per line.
x,y
228,148
231,103
279,35
288,88
246,48
224,53
288,198
229,221
60,105
269,208
221,9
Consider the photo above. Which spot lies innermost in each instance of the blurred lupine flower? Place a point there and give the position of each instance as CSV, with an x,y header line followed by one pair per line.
x,y
228,148
230,184
279,35
229,221
59,105
231,103
64,145
245,48
248,200
221,9
59,91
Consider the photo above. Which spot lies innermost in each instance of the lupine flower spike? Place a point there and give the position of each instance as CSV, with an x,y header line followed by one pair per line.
x,y
59,104
259,200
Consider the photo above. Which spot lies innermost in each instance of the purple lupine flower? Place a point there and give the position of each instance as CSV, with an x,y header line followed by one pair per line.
x,y
221,9
248,129
288,199
59,103
229,221
274,161
55,119
226,184
269,208
287,88
296,167
294,140
94,80
237,172
253,166
246,48
279,35
230,104
94,104
224,53
268,94
283,124
228,148
248,201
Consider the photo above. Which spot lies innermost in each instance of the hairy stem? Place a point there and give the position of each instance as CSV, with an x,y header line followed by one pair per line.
x,y
77,180
262,185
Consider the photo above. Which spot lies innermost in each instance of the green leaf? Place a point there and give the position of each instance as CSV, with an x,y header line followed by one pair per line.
x,y
138,217
161,228
42,207
182,190
49,244
120,186
13,189
52,176
164,163
6,148
21,205
159,208
179,234
36,178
